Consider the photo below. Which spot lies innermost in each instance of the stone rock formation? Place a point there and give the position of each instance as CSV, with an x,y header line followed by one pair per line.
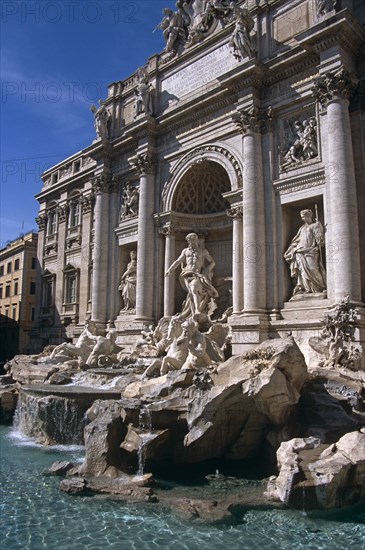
x,y
313,475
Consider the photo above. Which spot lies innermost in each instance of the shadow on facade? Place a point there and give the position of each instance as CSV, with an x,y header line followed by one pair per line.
x,y
9,340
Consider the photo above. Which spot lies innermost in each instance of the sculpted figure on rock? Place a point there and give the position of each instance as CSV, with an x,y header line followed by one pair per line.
x,y
195,277
305,257
82,348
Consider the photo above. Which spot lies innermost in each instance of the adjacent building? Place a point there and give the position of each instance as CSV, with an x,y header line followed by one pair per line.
x,y
18,265
253,113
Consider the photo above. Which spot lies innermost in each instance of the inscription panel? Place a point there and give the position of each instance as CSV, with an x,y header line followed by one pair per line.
x,y
197,74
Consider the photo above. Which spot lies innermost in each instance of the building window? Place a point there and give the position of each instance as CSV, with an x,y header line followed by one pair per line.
x,y
32,288
8,269
52,224
6,311
71,289
16,264
34,260
13,315
16,288
77,166
1,292
7,290
55,177
75,214
1,270
32,313
48,285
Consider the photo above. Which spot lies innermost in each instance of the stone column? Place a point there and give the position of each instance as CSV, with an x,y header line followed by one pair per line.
x,y
169,287
87,204
101,251
146,166
237,269
333,91
251,124
113,265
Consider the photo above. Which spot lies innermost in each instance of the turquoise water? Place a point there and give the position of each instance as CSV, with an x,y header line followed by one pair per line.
x,y
35,515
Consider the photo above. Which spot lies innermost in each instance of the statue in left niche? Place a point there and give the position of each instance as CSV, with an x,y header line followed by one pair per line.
x,y
128,283
130,201
143,93
101,120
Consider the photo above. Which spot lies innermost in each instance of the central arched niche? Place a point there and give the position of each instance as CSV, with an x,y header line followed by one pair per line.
x,y
198,198
200,190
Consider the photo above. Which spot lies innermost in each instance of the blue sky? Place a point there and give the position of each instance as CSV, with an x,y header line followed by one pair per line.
x,y
57,58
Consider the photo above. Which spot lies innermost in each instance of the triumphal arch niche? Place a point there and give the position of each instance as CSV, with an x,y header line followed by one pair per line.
x,y
195,198
237,147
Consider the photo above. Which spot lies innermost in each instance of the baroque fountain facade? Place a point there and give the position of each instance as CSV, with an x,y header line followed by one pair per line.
x,y
205,253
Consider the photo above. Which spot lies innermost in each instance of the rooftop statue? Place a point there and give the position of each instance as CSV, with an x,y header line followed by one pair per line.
x,y
173,26
241,42
195,277
101,120
305,256
143,93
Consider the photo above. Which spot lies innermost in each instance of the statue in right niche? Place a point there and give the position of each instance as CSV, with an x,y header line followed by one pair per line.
x,y
304,256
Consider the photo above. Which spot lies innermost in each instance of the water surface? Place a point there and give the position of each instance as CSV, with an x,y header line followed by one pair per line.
x,y
36,515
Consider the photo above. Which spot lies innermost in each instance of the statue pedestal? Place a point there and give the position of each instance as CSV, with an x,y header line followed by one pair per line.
x,y
129,330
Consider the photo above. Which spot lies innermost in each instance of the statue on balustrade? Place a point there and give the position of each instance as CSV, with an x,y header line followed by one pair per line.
x,y
143,93
241,41
305,256
128,283
101,120
195,277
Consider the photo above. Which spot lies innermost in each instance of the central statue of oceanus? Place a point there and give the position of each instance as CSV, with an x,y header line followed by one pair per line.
x,y
195,277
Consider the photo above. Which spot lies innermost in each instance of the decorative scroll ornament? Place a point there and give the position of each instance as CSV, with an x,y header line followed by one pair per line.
x,y
63,212
333,85
168,230
144,164
235,212
41,220
253,119
87,203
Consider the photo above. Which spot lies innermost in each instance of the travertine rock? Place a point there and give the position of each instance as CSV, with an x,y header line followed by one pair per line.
x,y
319,476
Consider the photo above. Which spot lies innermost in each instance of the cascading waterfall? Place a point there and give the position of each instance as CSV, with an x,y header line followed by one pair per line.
x,y
145,424
49,419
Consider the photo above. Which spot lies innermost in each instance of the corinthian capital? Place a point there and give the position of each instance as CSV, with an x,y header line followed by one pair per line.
x,y
101,184
253,119
333,85
144,164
